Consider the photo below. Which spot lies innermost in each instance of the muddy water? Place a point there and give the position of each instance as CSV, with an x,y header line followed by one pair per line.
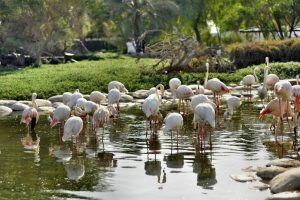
x,y
132,166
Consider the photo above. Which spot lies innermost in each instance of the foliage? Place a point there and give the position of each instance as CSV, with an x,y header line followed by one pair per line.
x,y
87,76
246,54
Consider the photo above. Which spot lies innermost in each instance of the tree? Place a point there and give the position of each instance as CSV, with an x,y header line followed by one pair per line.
x,y
133,17
42,27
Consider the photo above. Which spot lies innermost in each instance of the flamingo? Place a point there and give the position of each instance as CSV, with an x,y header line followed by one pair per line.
x,y
200,89
173,122
30,114
204,113
296,94
89,109
233,102
216,86
101,117
248,81
262,91
183,92
97,97
72,128
276,108
174,83
117,85
73,99
114,97
66,97
59,115
271,79
80,102
151,105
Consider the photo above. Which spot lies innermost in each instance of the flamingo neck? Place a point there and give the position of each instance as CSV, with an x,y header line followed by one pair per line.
x,y
297,79
206,77
254,73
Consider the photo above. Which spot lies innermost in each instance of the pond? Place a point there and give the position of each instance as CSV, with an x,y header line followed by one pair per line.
x,y
132,165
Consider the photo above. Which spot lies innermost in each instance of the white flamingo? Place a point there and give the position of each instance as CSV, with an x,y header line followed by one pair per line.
x,y
97,97
72,128
114,97
66,97
248,81
30,114
204,113
262,90
151,106
117,85
271,79
73,99
174,83
173,122
217,87
89,108
233,103
59,115
183,93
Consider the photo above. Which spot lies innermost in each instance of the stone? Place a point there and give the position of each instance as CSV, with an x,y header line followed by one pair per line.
x,y
286,181
269,172
48,109
126,98
4,111
140,94
43,102
57,98
243,177
28,103
290,195
284,162
7,103
260,185
56,104
19,106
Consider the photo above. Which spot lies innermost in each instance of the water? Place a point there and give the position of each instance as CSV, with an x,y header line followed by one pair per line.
x,y
132,166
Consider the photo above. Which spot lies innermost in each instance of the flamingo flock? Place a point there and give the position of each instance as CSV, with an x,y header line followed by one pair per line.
x,y
76,110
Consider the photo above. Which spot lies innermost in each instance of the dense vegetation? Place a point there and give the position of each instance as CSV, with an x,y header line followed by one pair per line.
x,y
49,80
245,54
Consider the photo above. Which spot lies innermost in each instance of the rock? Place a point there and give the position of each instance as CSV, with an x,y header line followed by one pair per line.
x,y
57,98
7,103
48,109
43,102
19,106
286,181
284,162
86,96
291,195
236,94
126,98
4,111
56,104
269,172
243,177
28,103
140,94
251,169
241,87
260,185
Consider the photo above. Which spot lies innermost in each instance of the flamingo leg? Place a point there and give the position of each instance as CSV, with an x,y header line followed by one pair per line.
x,y
103,139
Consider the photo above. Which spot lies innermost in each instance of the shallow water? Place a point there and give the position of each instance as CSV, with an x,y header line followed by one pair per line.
x,y
133,166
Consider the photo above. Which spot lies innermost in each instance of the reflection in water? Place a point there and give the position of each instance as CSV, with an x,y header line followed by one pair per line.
x,y
62,152
206,173
31,143
280,149
153,167
105,159
75,169
174,160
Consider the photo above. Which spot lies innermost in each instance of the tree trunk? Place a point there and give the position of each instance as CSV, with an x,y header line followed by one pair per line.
x,y
196,30
136,21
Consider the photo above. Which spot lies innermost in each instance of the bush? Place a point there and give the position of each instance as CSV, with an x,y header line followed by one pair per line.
x,y
254,53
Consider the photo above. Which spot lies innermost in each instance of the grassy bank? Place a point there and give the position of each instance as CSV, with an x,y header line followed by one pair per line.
x,y
49,80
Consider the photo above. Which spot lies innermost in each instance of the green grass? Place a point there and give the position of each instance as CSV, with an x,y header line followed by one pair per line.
x,y
87,76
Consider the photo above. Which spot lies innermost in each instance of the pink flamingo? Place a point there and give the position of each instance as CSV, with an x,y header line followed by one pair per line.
x,y
30,114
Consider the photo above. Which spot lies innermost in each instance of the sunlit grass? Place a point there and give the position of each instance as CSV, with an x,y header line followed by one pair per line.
x,y
87,76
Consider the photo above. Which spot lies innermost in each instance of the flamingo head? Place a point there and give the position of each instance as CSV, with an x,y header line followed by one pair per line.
x,y
267,60
54,122
225,89
264,112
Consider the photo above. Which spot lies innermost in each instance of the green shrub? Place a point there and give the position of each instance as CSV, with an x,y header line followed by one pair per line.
x,y
254,53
